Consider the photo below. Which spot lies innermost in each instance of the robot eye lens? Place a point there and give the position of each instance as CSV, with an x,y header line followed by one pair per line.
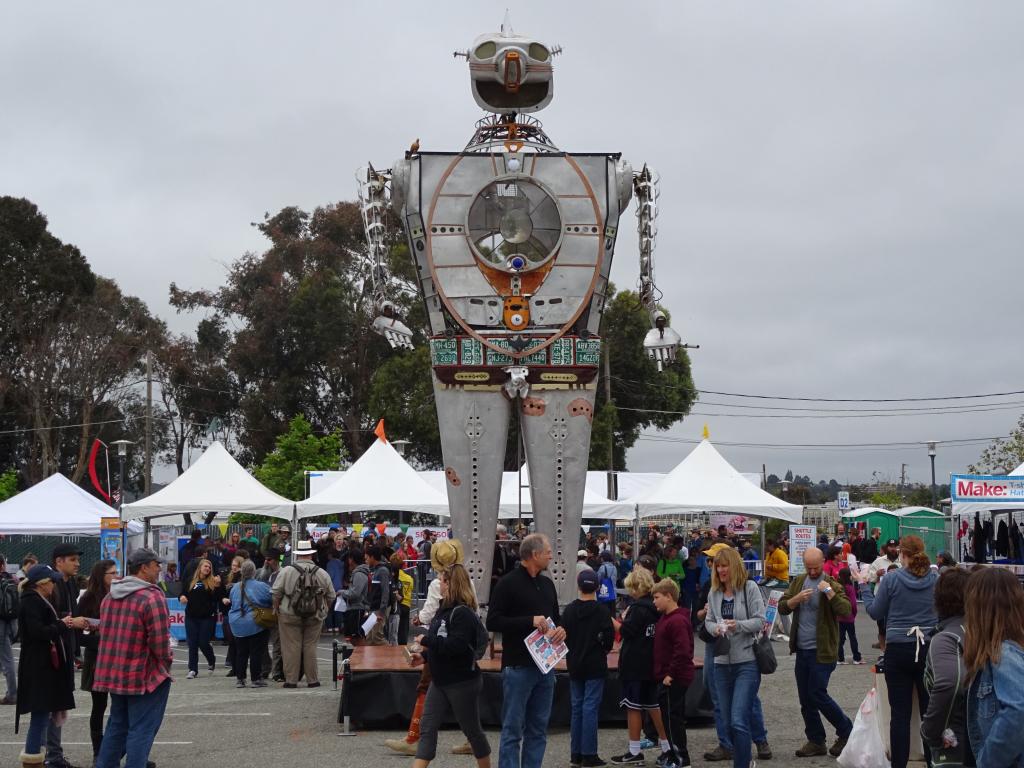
x,y
538,52
516,226
485,50
517,262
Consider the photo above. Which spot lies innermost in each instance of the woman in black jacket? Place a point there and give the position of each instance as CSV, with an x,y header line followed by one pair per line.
x,y
46,683
449,651
201,599
100,579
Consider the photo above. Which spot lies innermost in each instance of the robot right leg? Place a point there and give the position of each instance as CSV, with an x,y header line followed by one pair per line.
x,y
474,430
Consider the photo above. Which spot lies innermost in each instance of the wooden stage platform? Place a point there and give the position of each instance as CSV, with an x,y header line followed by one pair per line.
x,y
384,690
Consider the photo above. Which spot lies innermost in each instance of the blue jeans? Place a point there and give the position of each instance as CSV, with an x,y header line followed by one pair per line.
x,y
524,716
132,727
586,706
8,629
36,732
737,688
812,688
757,726
199,632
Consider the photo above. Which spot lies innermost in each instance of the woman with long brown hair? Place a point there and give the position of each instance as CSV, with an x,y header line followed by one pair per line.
x,y
905,601
449,650
101,577
994,656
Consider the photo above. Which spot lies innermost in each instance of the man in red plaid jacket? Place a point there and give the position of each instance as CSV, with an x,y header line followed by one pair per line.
x,y
134,662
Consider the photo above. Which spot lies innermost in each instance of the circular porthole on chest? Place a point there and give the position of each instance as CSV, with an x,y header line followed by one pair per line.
x,y
514,225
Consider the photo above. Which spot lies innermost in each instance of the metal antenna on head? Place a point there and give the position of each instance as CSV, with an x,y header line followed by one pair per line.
x,y
506,25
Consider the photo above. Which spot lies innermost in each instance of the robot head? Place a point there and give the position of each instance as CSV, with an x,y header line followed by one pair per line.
x,y
510,73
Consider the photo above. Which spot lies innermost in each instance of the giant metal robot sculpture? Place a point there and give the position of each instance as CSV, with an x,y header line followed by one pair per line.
x,y
513,241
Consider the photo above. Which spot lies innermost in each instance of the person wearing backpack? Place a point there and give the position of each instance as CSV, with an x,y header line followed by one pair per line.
x,y
451,648
303,594
8,631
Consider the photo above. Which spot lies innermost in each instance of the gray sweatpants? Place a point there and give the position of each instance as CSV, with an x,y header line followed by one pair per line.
x,y
463,699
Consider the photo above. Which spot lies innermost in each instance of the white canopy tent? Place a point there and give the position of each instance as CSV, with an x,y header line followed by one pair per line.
x,y
705,482
379,480
214,483
53,507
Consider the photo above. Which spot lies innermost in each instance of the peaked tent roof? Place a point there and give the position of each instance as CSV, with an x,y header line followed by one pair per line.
x,y
51,507
705,482
214,483
379,480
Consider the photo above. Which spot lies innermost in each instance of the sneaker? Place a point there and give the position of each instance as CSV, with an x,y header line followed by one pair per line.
x,y
192,675
592,761
837,749
667,760
465,748
575,761
259,683
290,685
211,668
313,685
646,743
812,749
859,663
278,678
240,684
719,753
841,661
401,746
230,673
764,751
628,758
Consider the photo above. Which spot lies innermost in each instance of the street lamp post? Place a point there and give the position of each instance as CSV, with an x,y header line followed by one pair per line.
x,y
931,455
122,456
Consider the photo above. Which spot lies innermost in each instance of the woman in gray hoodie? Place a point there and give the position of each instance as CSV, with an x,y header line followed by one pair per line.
x,y
905,601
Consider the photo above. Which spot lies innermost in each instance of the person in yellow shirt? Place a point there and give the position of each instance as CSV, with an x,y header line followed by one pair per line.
x,y
776,577
405,604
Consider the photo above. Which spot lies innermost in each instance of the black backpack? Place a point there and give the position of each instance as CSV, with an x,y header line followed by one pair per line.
x,y
307,597
9,600
483,638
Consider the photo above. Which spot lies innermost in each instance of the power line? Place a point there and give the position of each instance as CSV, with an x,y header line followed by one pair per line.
x,y
890,446
888,414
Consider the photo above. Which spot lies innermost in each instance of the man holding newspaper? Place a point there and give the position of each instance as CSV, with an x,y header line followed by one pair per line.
x,y
524,601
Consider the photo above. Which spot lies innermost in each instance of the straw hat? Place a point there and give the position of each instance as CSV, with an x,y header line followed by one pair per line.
x,y
445,553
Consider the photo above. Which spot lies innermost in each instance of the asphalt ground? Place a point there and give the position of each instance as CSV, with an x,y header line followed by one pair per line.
x,y
210,722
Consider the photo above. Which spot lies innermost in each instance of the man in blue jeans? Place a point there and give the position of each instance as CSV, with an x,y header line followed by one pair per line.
x,y
525,600
816,600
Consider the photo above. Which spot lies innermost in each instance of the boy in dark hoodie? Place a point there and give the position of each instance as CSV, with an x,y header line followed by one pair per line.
x,y
673,668
589,636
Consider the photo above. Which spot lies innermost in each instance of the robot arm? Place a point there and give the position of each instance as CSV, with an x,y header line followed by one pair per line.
x,y
661,342
373,202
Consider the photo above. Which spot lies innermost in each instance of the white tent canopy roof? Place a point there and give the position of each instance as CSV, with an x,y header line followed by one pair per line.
x,y
904,511
53,507
214,483
1019,470
705,482
379,480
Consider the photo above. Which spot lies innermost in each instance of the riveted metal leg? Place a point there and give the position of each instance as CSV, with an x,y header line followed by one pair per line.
x,y
474,430
556,434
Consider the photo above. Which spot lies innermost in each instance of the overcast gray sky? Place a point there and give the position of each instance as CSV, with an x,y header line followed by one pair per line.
x,y
842,198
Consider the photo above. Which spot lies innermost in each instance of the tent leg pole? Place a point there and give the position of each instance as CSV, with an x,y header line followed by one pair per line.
x,y
636,532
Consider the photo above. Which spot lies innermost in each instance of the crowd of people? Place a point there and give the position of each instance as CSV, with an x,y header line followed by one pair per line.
x,y
951,639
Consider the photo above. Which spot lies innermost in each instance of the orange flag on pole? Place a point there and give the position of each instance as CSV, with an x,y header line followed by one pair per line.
x,y
379,431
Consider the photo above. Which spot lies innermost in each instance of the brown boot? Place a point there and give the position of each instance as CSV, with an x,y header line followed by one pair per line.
x,y
32,761
812,749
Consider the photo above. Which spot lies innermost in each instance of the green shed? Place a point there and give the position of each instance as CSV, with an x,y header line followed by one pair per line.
x,y
875,517
930,524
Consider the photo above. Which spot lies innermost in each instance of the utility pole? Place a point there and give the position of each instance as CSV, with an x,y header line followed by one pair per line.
x,y
613,490
148,479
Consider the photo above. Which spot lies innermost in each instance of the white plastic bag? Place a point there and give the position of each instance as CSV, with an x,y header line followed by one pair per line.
x,y
864,748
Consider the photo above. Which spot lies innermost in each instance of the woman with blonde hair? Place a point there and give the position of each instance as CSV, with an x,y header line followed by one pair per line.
x,y
735,616
636,666
200,598
450,649
994,656
905,601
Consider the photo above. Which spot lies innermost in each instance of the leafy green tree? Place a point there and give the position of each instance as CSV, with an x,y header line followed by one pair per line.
x,y
920,497
8,484
1002,455
402,394
642,396
886,499
297,451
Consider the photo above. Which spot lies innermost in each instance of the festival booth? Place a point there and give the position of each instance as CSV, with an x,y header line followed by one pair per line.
x,y
867,518
214,483
55,506
988,513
